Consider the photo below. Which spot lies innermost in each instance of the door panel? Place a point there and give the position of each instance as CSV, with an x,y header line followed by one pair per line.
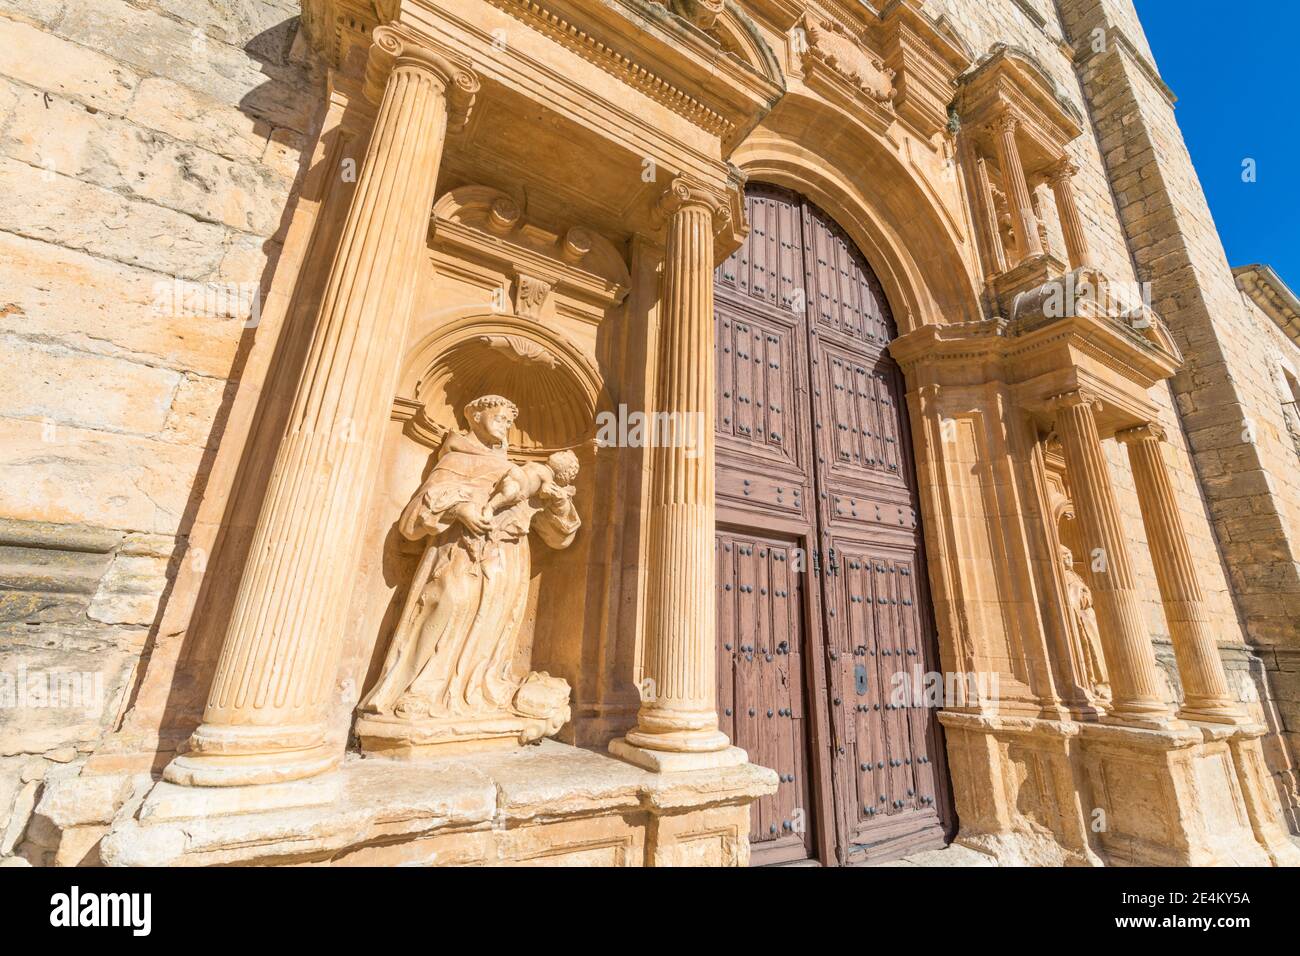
x,y
813,452
760,684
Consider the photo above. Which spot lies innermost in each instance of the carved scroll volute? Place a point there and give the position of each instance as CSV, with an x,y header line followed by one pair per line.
x,y
682,192
396,45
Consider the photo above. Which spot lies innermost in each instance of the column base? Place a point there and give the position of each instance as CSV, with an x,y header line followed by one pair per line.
x,y
245,770
1214,714
1016,788
1260,795
678,736
1143,720
171,801
1042,792
675,761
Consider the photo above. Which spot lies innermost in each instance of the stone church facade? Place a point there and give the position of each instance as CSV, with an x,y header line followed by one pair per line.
x,y
702,432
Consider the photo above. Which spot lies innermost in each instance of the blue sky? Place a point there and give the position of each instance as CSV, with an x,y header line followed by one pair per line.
x,y
1235,69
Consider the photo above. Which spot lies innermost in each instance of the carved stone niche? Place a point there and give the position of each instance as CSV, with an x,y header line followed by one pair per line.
x,y
492,534
1082,675
555,387
1015,127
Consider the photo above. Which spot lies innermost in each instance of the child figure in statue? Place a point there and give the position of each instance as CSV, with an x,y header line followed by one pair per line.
x,y
553,480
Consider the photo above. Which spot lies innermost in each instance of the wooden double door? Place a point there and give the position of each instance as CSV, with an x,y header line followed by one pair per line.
x,y
824,627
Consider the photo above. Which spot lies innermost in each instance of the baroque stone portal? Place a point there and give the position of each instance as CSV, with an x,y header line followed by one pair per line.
x,y
450,679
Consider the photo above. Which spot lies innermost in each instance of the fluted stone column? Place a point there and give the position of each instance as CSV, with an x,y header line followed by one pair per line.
x,y
1130,658
1061,177
1205,686
269,702
677,725
1023,221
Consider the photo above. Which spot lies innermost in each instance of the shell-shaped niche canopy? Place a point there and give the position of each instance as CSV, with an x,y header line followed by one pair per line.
x,y
554,386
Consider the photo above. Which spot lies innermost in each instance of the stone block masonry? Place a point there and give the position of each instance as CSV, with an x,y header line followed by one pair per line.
x,y
150,154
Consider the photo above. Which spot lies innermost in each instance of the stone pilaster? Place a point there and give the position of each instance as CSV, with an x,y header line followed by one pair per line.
x,y
1130,658
678,718
1205,686
1061,178
1023,221
268,706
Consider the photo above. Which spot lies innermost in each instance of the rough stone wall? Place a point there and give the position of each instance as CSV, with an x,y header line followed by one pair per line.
x,y
149,153
1225,393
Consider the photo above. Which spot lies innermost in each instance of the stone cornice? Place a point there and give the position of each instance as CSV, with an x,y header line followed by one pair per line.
x,y
1009,77
1272,295
578,40
661,54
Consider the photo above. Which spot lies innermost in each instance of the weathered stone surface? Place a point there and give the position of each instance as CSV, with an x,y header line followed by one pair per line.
x,y
191,116
49,383
56,134
128,593
88,217
100,307
60,687
397,807
49,571
193,412
59,480
84,800
151,43
89,76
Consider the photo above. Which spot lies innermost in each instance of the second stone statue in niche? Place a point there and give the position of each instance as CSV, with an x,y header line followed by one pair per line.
x,y
449,680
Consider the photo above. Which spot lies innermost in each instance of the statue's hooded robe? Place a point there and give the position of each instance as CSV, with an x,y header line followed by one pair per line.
x,y
452,652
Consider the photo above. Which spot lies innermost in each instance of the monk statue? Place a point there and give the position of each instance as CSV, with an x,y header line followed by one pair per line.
x,y
1087,636
450,676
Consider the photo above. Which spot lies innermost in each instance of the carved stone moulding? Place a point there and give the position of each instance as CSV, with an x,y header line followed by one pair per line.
x,y
926,54
1046,358
488,224
556,387
704,60
839,66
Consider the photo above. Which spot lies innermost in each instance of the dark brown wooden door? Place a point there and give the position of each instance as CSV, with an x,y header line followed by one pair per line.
x,y
815,476
761,691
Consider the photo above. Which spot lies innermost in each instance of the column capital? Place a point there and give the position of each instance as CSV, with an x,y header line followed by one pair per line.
x,y
1062,171
1004,122
397,45
1073,398
682,193
1149,430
